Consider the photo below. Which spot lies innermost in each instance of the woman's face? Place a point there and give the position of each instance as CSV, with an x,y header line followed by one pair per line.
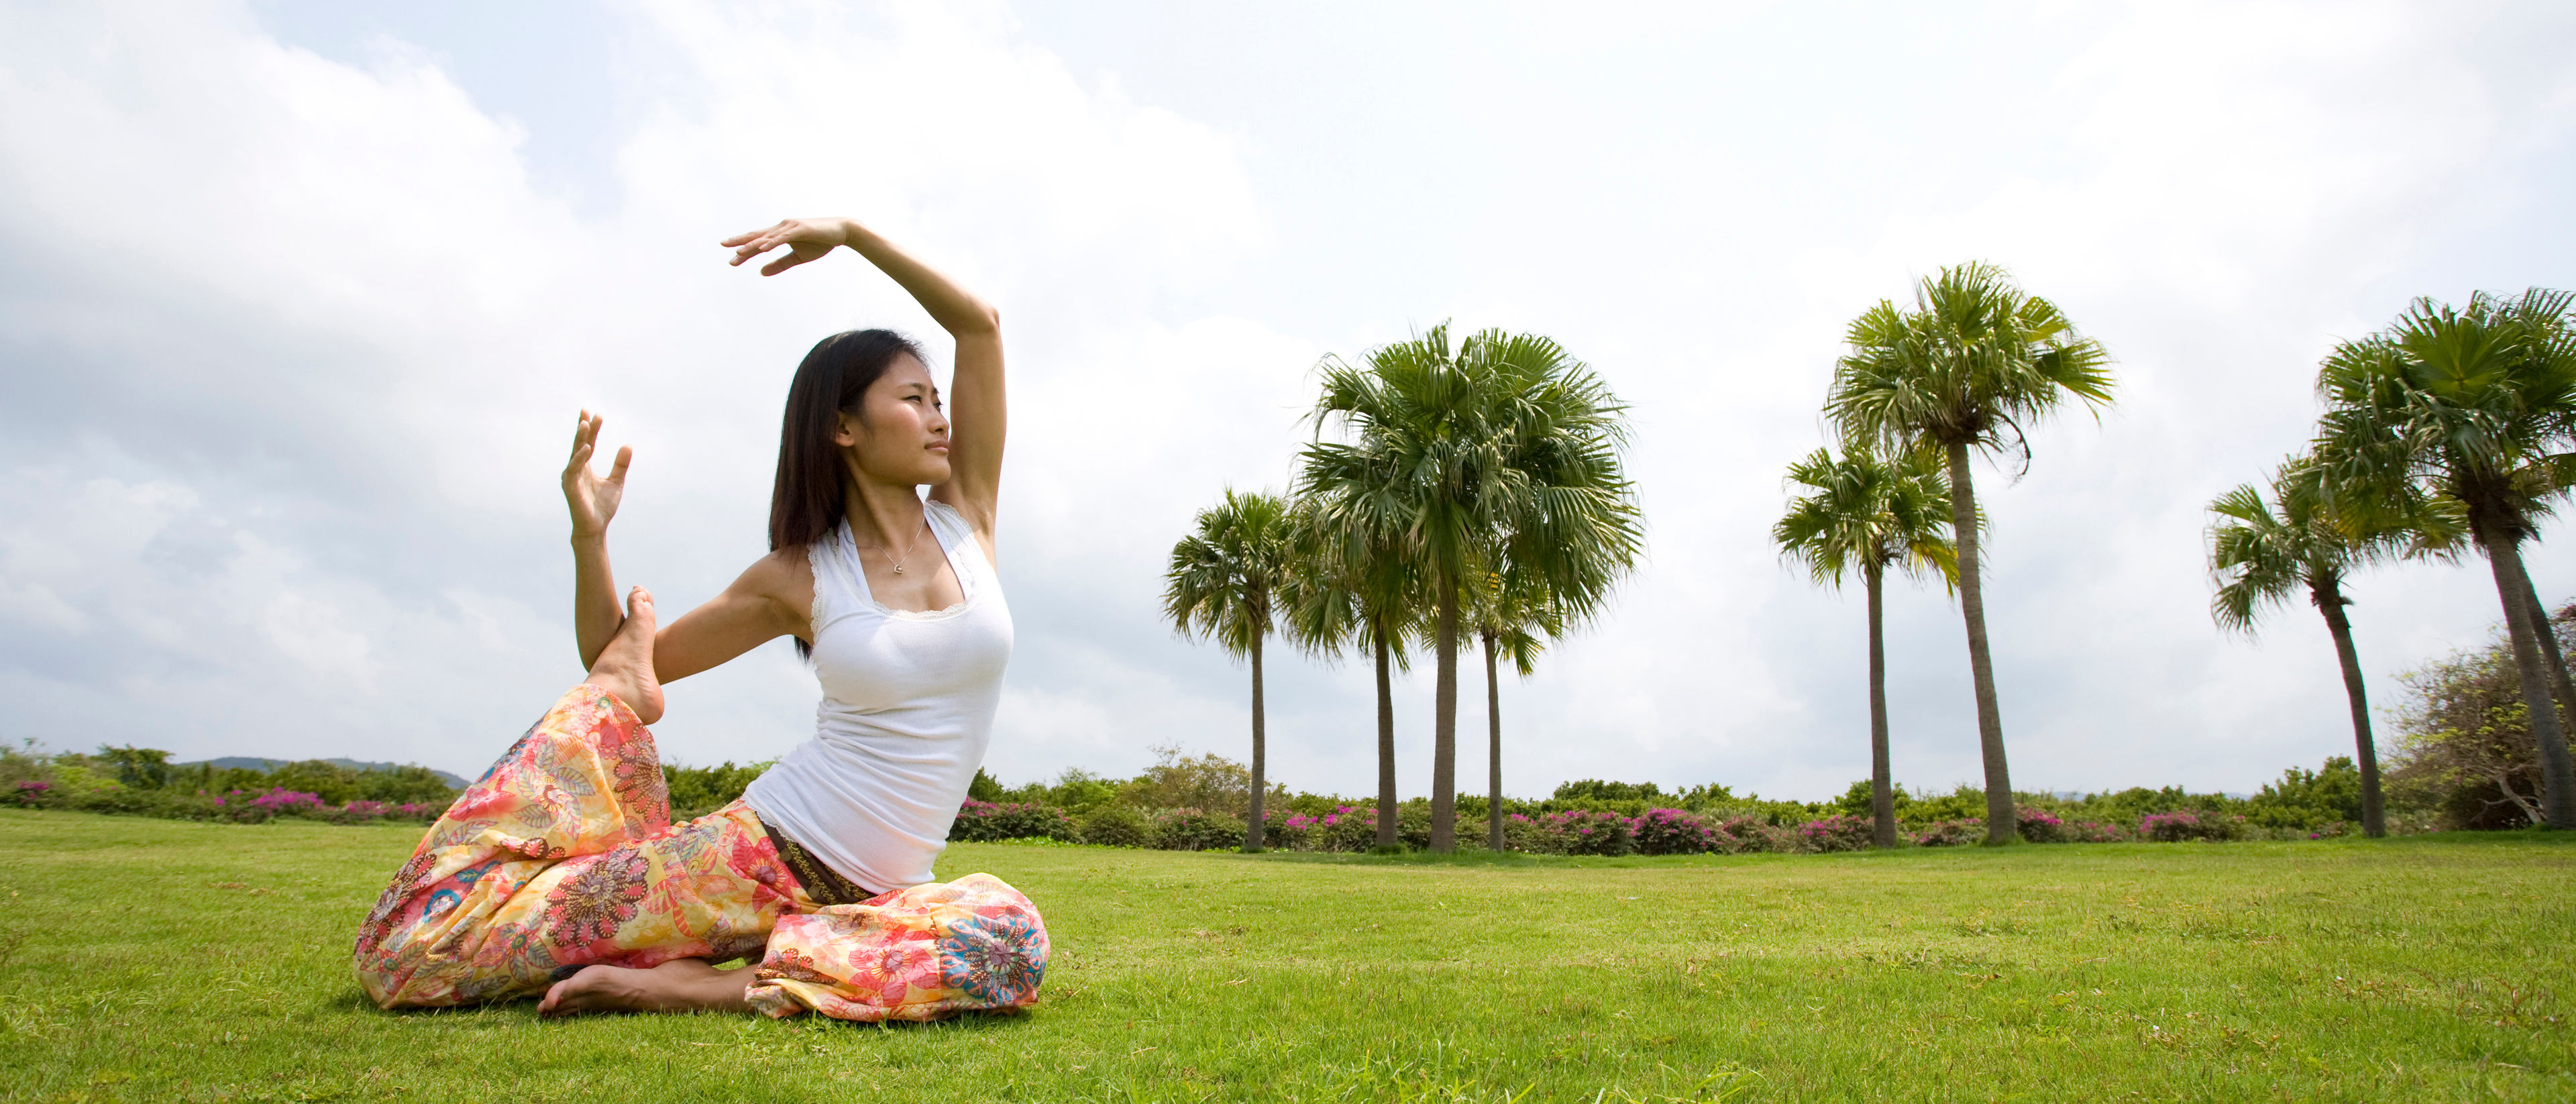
x,y
901,432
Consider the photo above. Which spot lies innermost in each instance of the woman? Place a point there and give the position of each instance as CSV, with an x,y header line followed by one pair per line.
x,y
559,870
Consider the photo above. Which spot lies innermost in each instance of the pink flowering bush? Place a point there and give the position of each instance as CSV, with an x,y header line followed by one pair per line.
x,y
1521,832
360,812
369,812
1353,828
2040,826
1348,828
1740,834
2091,831
280,801
1672,832
985,822
1843,832
1581,832
1951,833
260,807
31,793
2184,824
1196,830
1284,830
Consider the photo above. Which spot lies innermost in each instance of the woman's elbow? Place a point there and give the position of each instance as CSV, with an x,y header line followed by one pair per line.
x,y
982,320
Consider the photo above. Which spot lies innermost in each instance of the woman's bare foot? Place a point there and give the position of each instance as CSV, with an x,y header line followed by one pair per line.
x,y
625,666
680,985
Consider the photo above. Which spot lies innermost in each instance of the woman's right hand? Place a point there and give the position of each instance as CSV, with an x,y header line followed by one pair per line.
x,y
593,499
805,239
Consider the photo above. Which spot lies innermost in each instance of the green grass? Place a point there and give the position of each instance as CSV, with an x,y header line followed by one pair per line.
x,y
158,960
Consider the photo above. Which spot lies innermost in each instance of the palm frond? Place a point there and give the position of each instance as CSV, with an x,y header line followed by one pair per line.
x,y
1975,357
1498,453
1223,578
1866,512
2458,417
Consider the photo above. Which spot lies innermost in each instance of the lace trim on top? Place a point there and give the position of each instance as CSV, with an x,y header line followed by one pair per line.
x,y
842,558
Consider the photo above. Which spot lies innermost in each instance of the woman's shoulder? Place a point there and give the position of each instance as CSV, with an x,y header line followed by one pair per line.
x,y
974,517
786,572
960,526
780,581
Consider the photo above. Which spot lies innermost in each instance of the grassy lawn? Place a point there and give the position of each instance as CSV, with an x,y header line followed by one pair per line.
x,y
158,960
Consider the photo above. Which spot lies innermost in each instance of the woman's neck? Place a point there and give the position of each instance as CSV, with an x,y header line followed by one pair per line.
x,y
882,515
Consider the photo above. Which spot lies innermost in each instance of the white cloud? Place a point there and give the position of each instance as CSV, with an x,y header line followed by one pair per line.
x,y
321,307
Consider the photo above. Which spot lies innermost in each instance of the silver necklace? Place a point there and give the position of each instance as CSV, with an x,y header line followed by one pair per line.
x,y
907,549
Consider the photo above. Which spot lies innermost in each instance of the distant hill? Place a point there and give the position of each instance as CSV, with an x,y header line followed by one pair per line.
x,y
246,762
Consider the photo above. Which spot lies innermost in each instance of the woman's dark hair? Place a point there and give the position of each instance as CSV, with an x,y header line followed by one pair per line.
x,y
806,504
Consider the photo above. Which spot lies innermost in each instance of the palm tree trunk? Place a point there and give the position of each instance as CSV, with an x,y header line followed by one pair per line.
x,y
2548,634
2330,601
1493,751
1444,726
1882,792
2557,779
2000,828
1385,743
1254,826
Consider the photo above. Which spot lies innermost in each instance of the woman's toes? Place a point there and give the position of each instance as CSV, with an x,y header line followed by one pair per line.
x,y
639,607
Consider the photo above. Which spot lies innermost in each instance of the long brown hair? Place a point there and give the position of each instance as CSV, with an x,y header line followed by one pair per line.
x,y
807,503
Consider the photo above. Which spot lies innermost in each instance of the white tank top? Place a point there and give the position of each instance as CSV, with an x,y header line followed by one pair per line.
x,y
908,700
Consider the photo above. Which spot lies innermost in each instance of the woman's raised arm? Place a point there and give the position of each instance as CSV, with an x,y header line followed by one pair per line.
x,y
976,412
595,611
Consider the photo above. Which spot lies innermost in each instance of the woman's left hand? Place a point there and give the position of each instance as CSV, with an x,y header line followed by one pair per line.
x,y
805,239
593,499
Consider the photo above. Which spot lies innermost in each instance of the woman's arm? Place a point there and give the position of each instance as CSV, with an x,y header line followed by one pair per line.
x,y
773,598
595,610
975,407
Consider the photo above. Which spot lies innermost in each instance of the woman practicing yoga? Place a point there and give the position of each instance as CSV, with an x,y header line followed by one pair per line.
x,y
559,872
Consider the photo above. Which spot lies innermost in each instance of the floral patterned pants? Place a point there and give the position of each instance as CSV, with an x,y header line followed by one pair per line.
x,y
563,855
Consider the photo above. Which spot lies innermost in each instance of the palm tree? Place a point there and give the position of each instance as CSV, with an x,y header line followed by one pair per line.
x,y
1508,610
1500,449
2261,554
2476,404
1871,513
1221,584
1974,358
1351,594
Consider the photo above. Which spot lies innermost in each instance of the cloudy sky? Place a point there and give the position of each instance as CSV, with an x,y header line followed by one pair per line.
x,y
298,300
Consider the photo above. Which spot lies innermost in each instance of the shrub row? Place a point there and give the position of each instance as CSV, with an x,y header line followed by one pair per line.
x,y
1585,818
232,806
2302,803
1353,828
